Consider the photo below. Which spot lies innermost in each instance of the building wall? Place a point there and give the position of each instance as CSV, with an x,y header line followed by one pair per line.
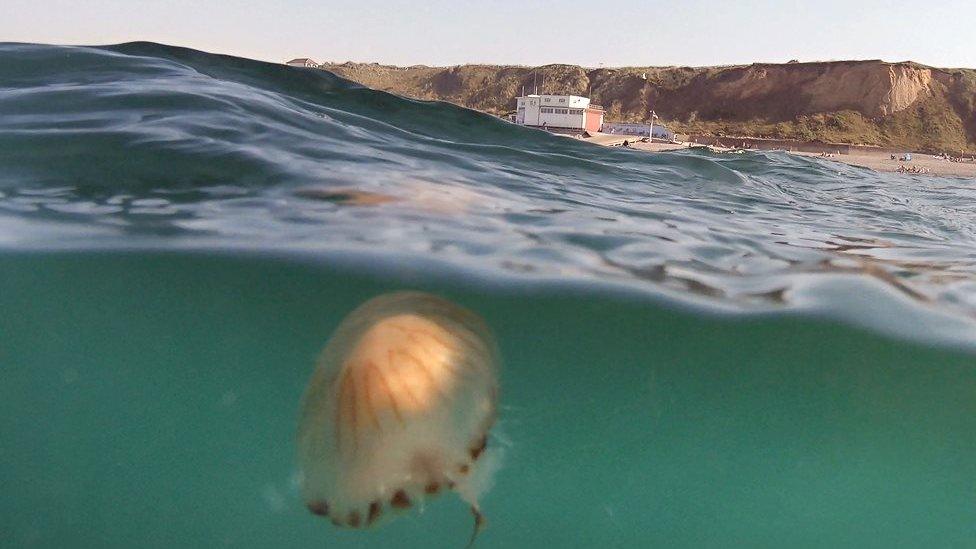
x,y
594,120
547,111
561,117
528,111
564,101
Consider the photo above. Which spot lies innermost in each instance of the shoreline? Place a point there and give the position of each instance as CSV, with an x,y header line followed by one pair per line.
x,y
927,163
880,161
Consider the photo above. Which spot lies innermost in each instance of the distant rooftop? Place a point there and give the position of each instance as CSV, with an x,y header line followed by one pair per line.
x,y
302,62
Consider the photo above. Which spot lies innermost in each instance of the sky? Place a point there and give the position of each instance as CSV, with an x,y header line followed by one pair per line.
x,y
591,33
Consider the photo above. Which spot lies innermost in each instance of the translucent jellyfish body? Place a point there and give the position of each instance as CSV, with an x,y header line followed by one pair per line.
x,y
398,409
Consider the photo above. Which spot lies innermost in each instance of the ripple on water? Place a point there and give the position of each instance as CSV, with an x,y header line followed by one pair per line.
x,y
254,158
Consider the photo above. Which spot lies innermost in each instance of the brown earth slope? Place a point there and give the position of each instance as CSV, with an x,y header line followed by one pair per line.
x,y
902,105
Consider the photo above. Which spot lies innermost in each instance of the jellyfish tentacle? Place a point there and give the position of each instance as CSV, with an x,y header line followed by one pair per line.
x,y
479,525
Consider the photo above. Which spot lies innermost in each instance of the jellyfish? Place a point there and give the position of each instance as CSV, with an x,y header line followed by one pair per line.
x,y
398,410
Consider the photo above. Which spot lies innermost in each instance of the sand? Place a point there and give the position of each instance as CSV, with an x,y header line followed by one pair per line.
x,y
659,147
881,162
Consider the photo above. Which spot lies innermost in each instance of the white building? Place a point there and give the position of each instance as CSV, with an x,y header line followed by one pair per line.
x,y
559,112
303,62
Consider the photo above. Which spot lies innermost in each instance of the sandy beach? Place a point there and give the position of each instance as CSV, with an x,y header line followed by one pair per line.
x,y
929,164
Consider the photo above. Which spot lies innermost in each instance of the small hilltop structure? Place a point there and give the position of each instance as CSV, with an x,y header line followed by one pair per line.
x,y
303,62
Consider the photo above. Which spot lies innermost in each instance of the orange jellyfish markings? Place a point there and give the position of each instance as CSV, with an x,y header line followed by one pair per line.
x,y
374,513
390,396
319,508
400,500
398,408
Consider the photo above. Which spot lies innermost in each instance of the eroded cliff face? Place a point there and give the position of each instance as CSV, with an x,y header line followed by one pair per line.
x,y
872,89
906,85
870,102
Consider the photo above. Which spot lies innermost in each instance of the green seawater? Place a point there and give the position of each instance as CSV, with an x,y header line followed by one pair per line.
x,y
150,399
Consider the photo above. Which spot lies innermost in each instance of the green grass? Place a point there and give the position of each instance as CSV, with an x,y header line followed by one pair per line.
x,y
929,126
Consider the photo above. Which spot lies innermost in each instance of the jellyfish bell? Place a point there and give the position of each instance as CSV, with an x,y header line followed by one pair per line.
x,y
398,410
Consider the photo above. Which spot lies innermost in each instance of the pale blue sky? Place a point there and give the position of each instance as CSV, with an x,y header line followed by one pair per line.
x,y
439,32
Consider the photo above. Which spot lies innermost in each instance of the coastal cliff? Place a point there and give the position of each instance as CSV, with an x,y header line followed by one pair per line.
x,y
904,105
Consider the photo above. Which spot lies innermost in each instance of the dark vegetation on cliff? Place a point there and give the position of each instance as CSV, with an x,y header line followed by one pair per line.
x,y
902,105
